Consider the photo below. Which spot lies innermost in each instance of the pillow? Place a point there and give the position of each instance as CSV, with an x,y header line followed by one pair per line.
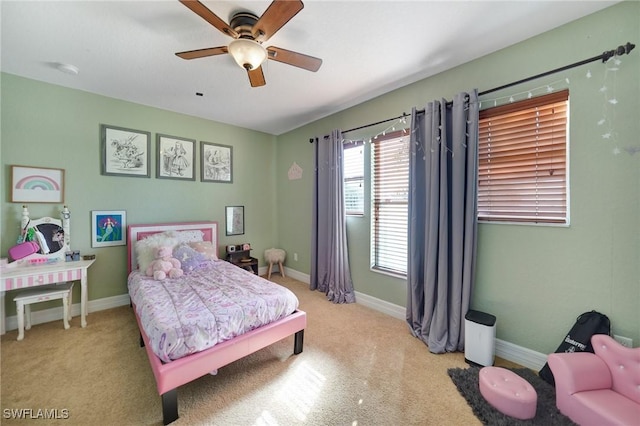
x,y
146,248
189,258
206,248
189,236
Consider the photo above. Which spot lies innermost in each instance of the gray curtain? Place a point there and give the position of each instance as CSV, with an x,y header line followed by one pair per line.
x,y
442,220
330,271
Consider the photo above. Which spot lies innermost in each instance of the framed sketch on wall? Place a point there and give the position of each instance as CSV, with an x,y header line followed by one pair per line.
x,y
216,162
108,228
125,152
37,185
176,158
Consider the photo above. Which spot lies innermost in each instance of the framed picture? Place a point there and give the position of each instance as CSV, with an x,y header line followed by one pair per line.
x,y
176,158
125,152
37,185
216,162
235,220
108,228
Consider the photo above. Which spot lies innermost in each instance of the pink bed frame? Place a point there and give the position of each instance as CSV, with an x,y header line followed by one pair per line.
x,y
169,376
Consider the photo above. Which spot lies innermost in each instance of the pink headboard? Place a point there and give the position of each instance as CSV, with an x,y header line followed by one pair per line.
x,y
138,232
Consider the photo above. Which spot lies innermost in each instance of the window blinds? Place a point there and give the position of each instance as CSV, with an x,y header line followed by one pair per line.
x,y
390,202
522,174
353,164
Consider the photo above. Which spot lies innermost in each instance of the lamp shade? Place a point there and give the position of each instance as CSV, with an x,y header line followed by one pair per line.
x,y
247,53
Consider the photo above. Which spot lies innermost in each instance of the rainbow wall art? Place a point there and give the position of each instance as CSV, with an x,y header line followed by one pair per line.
x,y
37,185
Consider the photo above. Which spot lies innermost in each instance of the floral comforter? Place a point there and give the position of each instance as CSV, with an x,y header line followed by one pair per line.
x,y
209,305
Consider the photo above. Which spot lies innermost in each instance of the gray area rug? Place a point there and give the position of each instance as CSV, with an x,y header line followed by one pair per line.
x,y
547,414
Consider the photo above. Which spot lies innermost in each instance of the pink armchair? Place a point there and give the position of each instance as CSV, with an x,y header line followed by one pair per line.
x,y
599,389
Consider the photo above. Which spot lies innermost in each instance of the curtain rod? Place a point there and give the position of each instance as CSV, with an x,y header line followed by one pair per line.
x,y
604,56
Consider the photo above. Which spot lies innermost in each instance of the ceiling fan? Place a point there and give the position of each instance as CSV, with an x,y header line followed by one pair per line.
x,y
249,32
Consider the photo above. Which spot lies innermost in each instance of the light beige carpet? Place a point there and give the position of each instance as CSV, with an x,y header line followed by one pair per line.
x,y
358,367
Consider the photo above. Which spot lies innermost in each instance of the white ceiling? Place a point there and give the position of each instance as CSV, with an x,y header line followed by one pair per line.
x,y
125,50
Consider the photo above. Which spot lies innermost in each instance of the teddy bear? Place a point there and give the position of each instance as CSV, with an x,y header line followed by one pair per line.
x,y
164,265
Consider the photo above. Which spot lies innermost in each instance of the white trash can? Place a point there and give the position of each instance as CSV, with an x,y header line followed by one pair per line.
x,y
479,338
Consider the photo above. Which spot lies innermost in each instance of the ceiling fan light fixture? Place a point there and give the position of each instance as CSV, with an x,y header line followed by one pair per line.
x,y
247,53
67,68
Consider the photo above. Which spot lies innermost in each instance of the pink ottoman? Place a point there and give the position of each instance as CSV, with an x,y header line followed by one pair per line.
x,y
508,393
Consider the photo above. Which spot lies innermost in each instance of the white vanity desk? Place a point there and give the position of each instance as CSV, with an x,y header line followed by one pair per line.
x,y
22,274
21,277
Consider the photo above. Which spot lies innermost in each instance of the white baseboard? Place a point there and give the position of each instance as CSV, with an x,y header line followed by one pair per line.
x,y
520,355
380,305
505,350
305,278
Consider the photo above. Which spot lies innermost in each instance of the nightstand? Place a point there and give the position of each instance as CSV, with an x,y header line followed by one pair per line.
x,y
243,259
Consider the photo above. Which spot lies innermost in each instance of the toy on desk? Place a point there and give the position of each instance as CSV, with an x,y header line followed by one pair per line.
x,y
42,261
52,237
72,256
23,234
32,237
24,249
42,242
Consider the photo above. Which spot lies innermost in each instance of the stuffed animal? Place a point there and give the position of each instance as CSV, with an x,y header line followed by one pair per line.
x,y
164,265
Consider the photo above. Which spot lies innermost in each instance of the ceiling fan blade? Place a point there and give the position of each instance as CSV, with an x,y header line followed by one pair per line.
x,y
206,14
296,59
256,77
277,14
203,53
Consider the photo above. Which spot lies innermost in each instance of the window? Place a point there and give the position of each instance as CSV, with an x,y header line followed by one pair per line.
x,y
522,169
390,181
353,164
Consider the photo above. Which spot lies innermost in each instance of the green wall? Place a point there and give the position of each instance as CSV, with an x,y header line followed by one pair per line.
x,y
51,126
535,279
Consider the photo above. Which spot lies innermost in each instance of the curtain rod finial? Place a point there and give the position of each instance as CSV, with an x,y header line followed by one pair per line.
x,y
629,47
621,50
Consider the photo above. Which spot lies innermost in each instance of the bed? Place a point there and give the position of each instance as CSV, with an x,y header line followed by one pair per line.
x,y
189,360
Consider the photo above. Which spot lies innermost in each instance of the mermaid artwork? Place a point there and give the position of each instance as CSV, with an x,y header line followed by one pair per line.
x,y
107,227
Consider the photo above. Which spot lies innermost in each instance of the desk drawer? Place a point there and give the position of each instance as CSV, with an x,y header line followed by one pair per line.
x,y
13,283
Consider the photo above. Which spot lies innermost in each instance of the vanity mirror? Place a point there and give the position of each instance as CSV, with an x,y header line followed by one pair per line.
x,y
51,234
